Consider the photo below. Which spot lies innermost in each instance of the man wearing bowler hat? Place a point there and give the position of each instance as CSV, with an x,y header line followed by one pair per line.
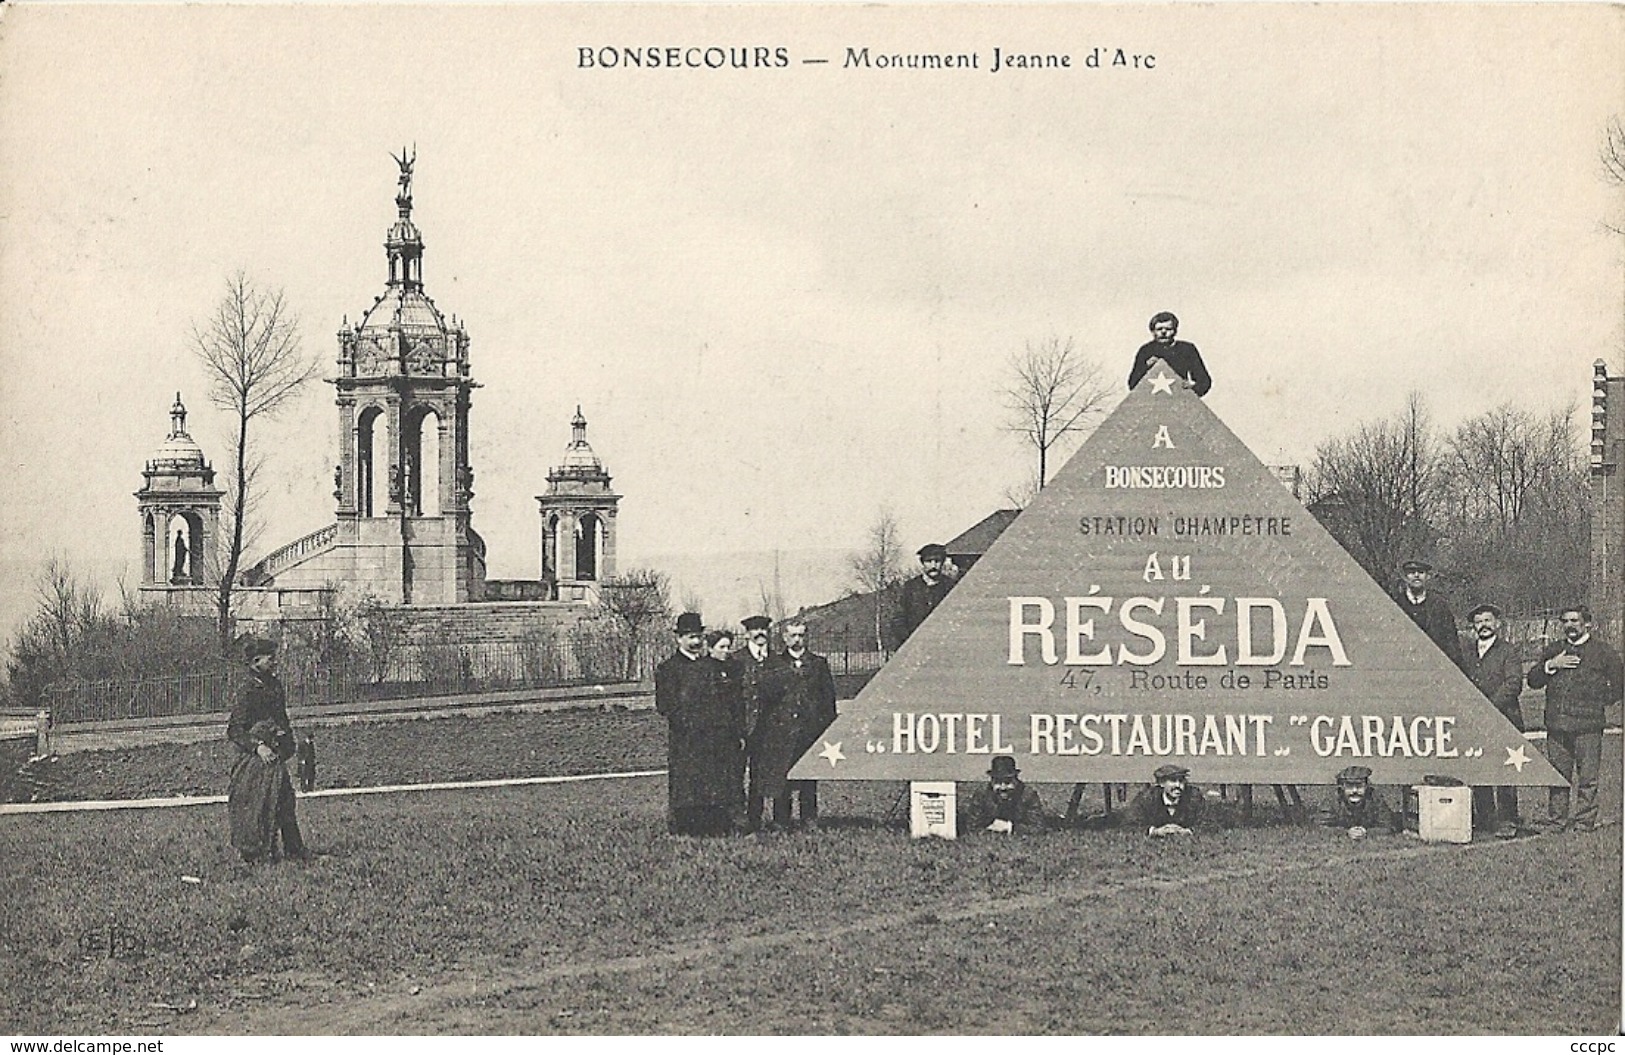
x,y
1169,805
922,593
704,712
1428,610
1358,809
1005,803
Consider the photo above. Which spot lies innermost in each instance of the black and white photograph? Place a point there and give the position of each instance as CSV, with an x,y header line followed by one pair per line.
x,y
709,520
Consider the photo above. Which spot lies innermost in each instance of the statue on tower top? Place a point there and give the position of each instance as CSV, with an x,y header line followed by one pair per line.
x,y
406,162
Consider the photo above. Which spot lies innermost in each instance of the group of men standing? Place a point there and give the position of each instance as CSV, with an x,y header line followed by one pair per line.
x,y
738,721
1580,673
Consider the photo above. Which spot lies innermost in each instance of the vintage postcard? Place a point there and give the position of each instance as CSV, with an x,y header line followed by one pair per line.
x,y
473,348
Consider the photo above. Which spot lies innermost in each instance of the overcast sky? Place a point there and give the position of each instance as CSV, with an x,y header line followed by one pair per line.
x,y
786,297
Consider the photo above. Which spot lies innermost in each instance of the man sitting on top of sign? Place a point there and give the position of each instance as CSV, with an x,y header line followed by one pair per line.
x,y
1358,809
1169,806
1005,803
1181,356
1428,610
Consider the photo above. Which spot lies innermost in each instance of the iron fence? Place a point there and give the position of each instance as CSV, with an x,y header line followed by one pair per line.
x,y
404,671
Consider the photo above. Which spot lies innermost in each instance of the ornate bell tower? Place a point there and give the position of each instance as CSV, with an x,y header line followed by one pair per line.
x,y
403,483
578,521
180,514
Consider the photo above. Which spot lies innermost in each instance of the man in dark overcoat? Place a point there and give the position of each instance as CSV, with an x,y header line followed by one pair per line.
x,y
260,800
1582,677
705,721
1181,356
1428,610
762,689
802,706
1492,664
922,593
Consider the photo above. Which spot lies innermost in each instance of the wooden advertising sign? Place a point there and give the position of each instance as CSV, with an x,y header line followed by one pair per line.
x,y
1166,599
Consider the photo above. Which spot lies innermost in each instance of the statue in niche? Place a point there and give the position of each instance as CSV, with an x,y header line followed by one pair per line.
x,y
177,573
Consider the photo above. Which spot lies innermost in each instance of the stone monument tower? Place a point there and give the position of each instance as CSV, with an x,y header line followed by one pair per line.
x,y
1607,501
180,514
578,521
403,482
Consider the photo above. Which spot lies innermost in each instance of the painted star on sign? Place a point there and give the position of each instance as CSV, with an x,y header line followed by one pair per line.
x,y
1516,758
1162,383
833,753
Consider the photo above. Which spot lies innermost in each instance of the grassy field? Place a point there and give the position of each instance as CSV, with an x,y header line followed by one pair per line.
x,y
566,909
361,754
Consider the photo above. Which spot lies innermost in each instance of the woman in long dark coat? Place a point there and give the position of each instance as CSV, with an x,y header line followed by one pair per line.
x,y
701,701
261,800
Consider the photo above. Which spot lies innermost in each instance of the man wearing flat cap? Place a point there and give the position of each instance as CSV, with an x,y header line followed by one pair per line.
x,y
704,712
260,800
1358,809
1170,805
1180,356
1493,666
763,688
922,593
1005,803
1428,610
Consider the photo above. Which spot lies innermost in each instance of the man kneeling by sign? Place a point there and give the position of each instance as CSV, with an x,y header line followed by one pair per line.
x,y
1005,803
1169,806
1358,808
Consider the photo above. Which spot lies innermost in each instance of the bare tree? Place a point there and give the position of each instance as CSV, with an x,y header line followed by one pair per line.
x,y
1613,158
639,601
1377,489
1054,391
249,347
877,567
1515,508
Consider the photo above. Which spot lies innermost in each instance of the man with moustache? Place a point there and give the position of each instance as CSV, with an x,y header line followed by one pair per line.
x,y
1169,806
1005,804
1358,809
704,712
1493,666
799,707
922,593
1581,676
763,691
1181,356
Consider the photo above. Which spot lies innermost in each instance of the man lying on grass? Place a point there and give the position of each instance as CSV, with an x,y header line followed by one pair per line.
x,y
1169,806
1358,809
1005,804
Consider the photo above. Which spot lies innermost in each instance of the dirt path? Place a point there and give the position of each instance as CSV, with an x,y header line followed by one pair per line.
x,y
443,1008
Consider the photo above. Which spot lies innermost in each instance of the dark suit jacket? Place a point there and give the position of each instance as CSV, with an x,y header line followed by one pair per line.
x,y
1498,675
1436,621
918,601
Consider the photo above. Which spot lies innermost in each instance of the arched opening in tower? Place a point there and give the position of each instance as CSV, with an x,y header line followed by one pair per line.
x,y
181,535
589,533
422,495
550,557
369,468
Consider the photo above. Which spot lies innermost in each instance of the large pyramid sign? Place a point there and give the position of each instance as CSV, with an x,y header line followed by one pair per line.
x,y
1166,599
